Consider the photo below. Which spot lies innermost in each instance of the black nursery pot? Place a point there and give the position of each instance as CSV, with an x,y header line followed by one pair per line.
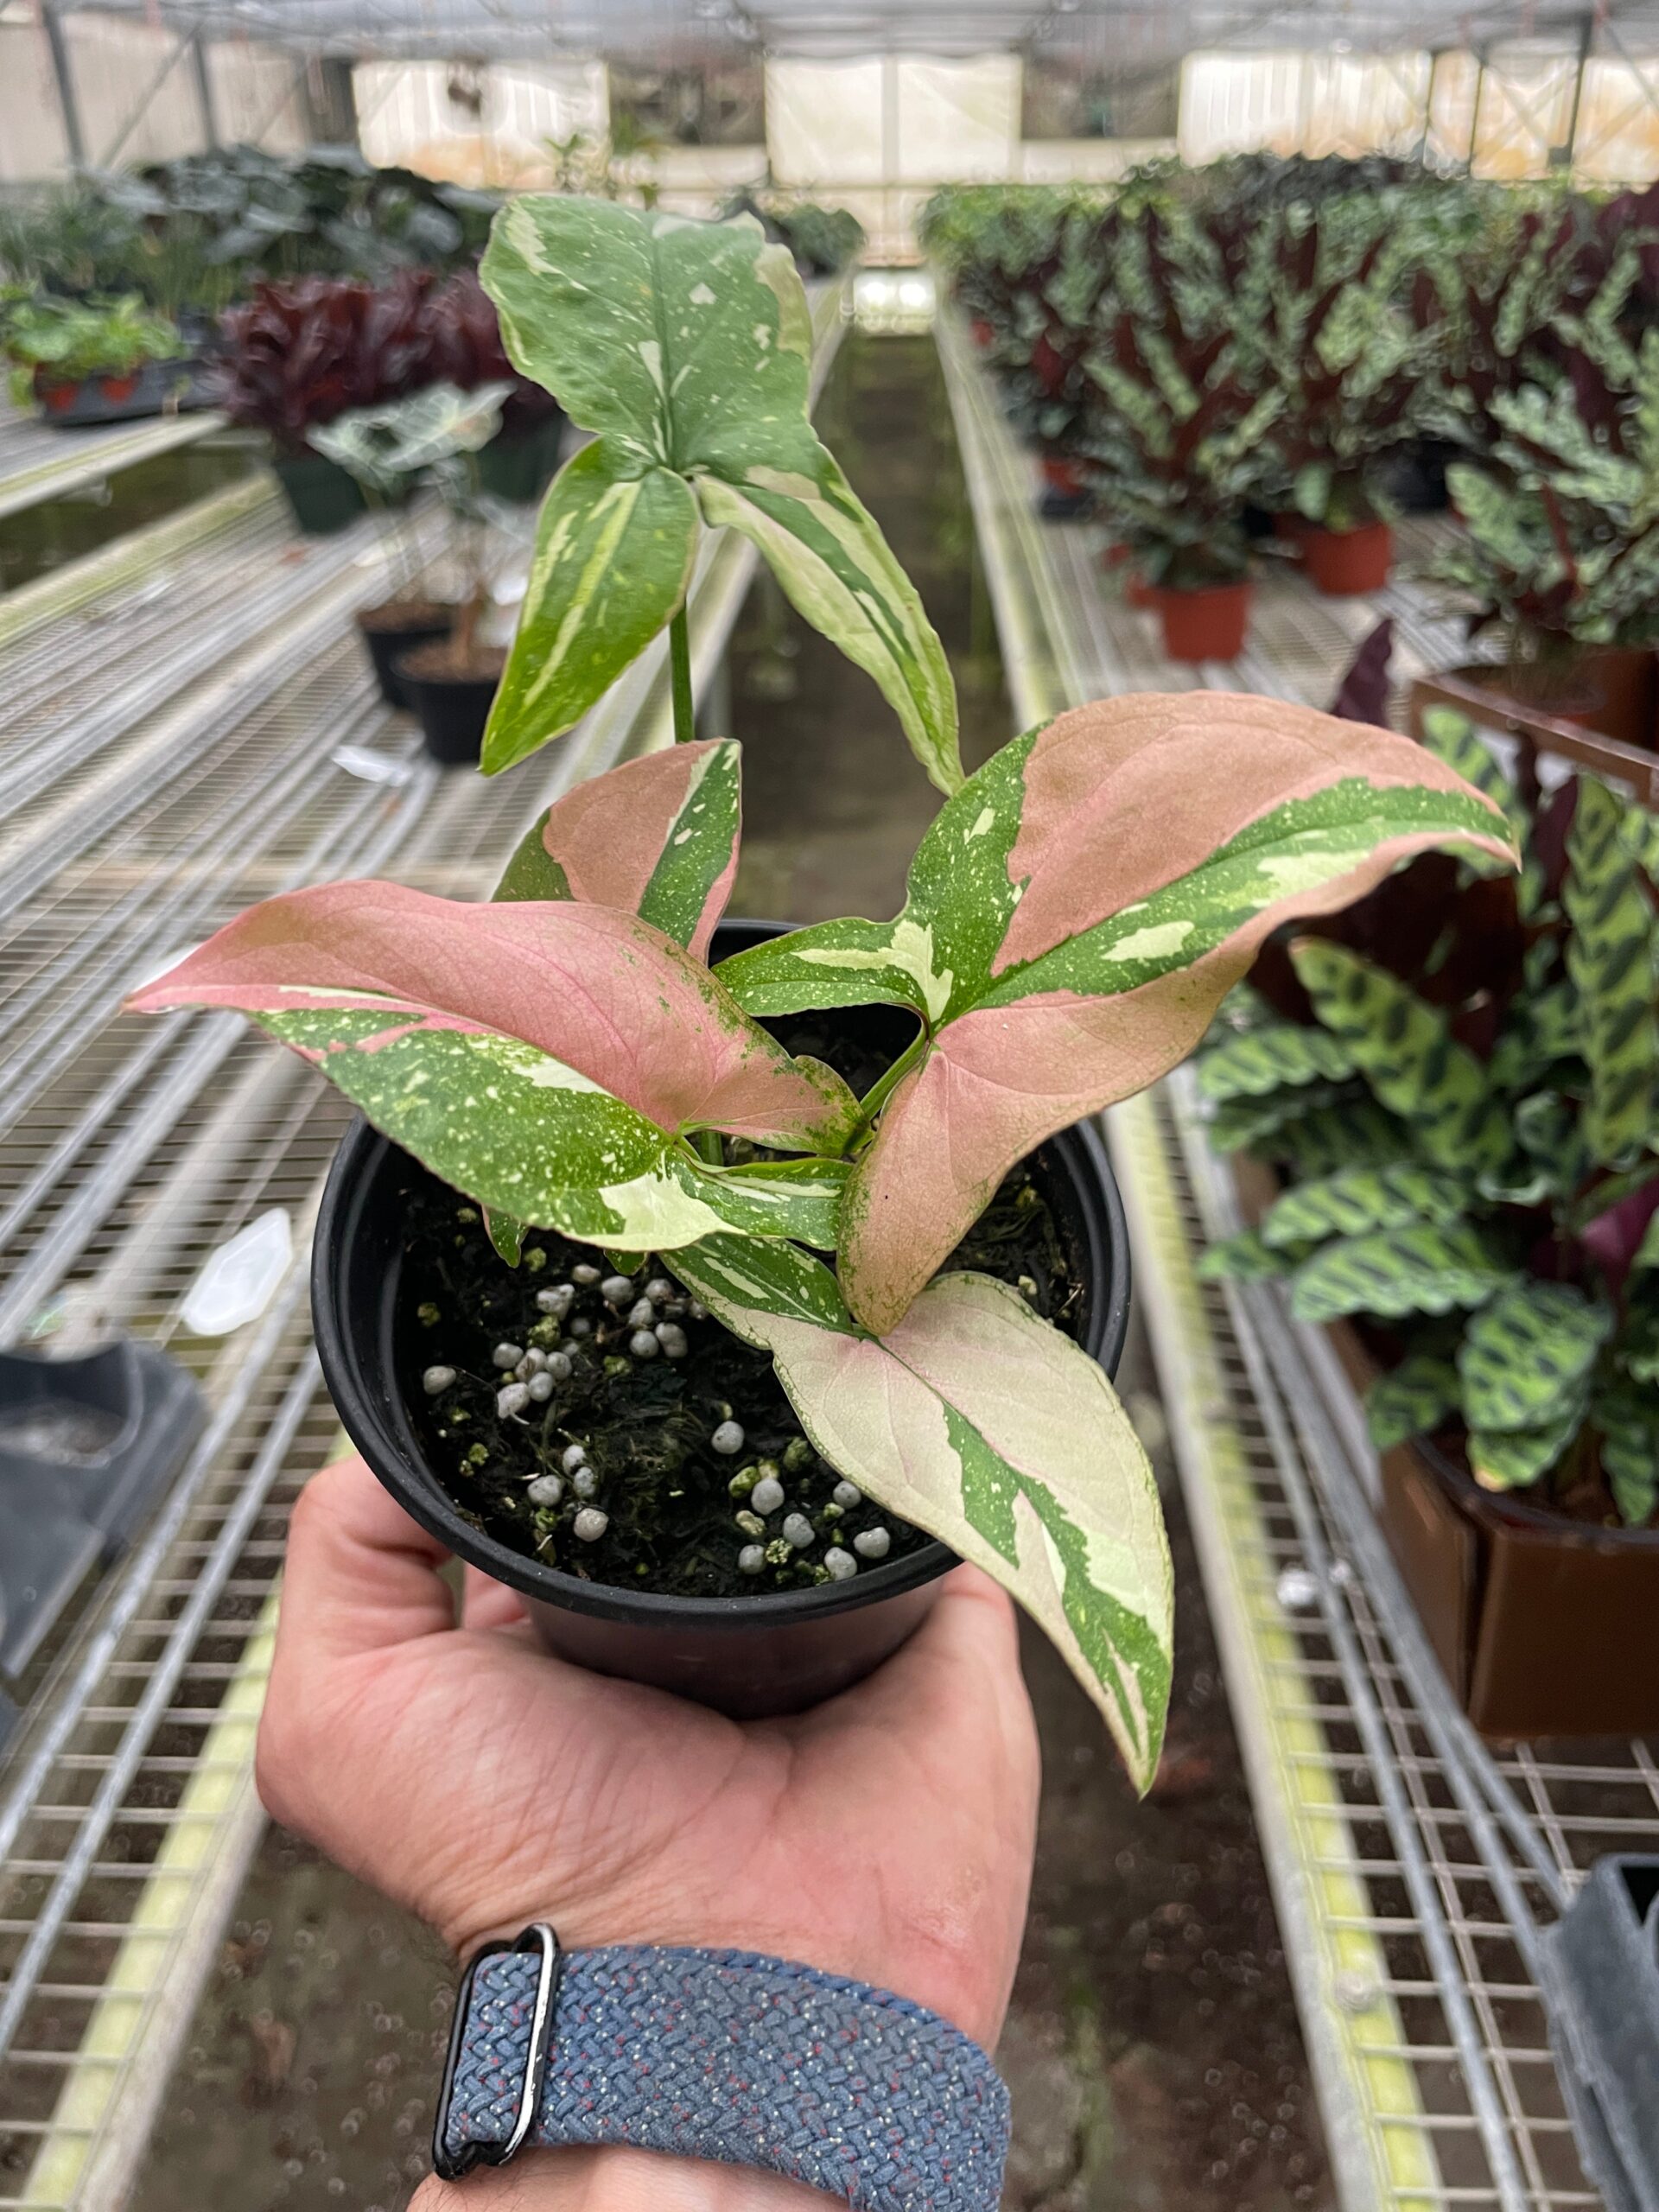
x,y
773,1653
452,710
388,640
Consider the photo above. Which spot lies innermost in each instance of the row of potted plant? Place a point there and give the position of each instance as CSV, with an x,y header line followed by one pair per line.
x,y
1205,348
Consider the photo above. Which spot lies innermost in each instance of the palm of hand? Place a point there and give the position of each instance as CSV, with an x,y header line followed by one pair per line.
x,y
888,1835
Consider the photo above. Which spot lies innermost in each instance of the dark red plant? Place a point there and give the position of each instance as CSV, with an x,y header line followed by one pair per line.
x,y
299,354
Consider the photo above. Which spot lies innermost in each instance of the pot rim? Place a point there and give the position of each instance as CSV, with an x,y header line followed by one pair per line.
x,y
1509,1507
391,1444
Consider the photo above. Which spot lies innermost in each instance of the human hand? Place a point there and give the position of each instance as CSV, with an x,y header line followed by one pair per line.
x,y
887,1835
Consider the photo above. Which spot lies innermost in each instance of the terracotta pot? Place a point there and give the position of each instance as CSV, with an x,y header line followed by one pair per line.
x,y
1137,591
1544,1625
116,389
55,394
1343,562
1294,530
1208,624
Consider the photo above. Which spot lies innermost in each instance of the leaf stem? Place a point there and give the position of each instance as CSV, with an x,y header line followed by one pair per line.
x,y
706,1145
883,1087
679,654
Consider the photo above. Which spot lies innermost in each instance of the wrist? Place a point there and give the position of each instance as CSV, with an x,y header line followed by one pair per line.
x,y
614,2180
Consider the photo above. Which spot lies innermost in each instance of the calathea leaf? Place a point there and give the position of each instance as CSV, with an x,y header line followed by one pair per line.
x,y
657,837
1357,1198
1411,1399
548,1058
1610,959
1511,1458
1244,1257
1257,1061
686,347
1628,1422
1405,1049
1246,1123
1524,1357
974,1419
1352,1133
1060,961
1419,1268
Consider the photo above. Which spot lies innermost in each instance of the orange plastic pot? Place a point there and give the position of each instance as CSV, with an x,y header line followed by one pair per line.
x,y
1343,562
1137,591
116,389
1294,530
1208,624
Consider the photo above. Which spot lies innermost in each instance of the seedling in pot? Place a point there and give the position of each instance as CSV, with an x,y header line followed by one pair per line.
x,y
564,1058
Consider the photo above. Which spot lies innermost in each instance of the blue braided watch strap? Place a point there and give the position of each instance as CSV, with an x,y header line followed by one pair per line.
x,y
728,2055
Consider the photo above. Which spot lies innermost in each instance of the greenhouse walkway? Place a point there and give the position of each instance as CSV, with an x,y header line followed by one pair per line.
x,y
1416,1871
191,724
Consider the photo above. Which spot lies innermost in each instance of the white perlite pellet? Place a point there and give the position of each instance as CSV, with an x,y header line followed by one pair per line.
x,y
574,1456
751,1558
584,1482
673,1339
660,1290
590,1524
798,1530
847,1496
643,1343
874,1543
642,1314
540,1387
767,1495
728,1439
556,1301
842,1564
508,1355
584,1272
615,1289
513,1399
546,1489
437,1379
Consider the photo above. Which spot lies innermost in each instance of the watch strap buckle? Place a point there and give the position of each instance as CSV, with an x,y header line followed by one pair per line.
x,y
513,2041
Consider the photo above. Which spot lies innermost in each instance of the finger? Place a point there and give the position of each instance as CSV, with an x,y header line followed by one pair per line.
x,y
960,1670
487,1602
360,1575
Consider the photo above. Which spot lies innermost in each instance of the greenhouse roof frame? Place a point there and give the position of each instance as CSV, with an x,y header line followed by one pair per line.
x,y
551,30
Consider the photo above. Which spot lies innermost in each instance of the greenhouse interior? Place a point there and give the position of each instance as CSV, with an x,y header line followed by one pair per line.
x,y
612,612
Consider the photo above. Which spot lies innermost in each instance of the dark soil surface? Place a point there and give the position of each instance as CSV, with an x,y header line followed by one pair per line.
x,y
446,662
1152,2047
399,614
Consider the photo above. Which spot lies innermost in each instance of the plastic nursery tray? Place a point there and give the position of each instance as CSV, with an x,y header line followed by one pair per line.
x,y
1601,1985
85,1442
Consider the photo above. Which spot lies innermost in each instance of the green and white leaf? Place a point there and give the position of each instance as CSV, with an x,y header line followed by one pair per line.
x,y
1611,962
686,347
1411,1399
1358,1199
1419,1268
1524,1357
975,1420
1257,1061
1405,1049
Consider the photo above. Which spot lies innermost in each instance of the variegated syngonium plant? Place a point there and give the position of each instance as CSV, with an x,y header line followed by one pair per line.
x,y
1075,915
686,347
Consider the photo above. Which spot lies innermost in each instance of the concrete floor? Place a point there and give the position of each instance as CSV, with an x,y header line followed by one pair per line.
x,y
1152,2047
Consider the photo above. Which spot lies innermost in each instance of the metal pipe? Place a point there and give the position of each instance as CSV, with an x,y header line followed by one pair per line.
x,y
64,75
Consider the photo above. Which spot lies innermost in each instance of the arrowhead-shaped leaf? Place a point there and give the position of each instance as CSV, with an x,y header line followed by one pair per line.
x,y
1405,1050
657,837
546,1058
975,1419
1070,930
686,347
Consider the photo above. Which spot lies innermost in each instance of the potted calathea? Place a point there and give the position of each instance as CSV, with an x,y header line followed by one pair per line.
x,y
718,1308
389,450
1458,1085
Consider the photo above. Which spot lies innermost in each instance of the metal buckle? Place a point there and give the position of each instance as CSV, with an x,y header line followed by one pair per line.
x,y
451,2167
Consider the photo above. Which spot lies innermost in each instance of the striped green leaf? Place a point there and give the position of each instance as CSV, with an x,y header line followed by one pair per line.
x,y
1059,962
1514,1459
1609,960
1419,1268
974,1419
686,347
1358,1199
1354,1133
1411,1399
1406,1052
1451,737
1524,1357
1257,1061
1628,1423
1267,1126
657,837
1244,1257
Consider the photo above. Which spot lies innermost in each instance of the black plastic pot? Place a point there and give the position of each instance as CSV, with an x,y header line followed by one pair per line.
x,y
777,1652
517,465
324,498
1600,1982
153,388
452,710
388,639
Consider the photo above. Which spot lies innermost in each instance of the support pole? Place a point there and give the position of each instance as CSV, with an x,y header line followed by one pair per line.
x,y
204,92
64,73
1561,157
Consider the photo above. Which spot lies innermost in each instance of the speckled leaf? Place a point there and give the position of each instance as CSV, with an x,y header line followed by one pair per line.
x,y
1419,1268
1076,913
1628,1420
1525,1355
1257,1061
1358,1199
786,1197
686,347
974,1419
1511,1458
1351,1132
1411,1399
614,545
596,991
1405,1050
657,837
1610,959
